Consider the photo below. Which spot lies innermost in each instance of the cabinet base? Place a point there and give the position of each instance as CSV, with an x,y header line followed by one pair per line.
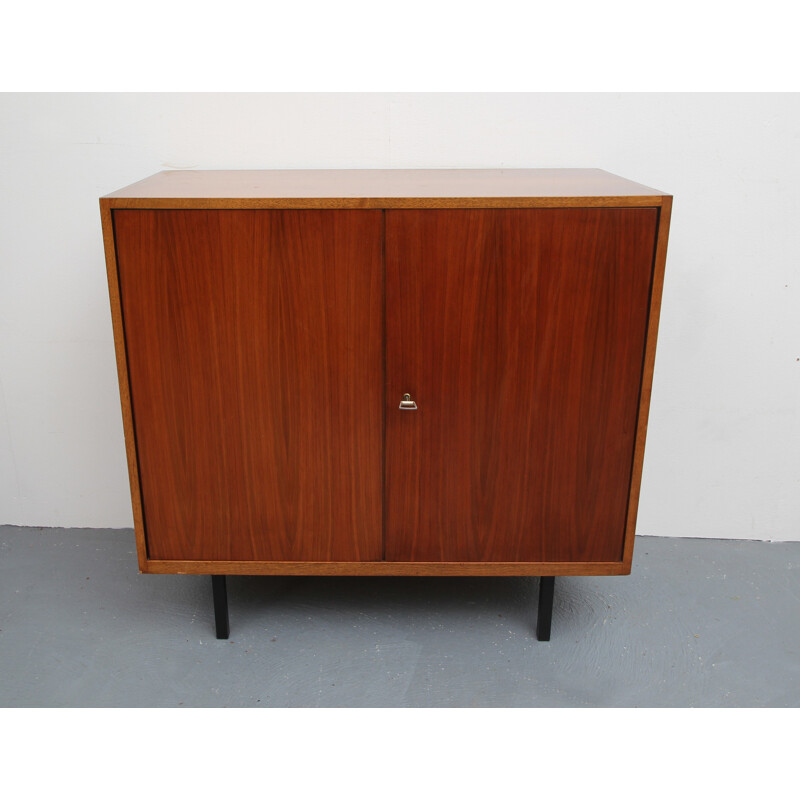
x,y
397,568
544,614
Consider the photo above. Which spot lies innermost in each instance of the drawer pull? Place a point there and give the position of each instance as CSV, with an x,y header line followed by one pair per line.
x,y
407,404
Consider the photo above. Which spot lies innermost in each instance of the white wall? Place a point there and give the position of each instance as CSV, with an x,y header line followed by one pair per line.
x,y
723,452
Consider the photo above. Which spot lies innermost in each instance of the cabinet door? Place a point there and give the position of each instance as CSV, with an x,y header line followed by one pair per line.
x,y
255,360
520,336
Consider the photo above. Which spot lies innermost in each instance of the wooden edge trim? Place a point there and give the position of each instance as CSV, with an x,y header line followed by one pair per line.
x,y
659,263
122,375
383,202
432,568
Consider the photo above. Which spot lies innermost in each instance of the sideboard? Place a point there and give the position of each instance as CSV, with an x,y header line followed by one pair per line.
x,y
385,372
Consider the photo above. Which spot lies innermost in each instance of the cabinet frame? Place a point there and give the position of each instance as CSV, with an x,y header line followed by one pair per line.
x,y
161,192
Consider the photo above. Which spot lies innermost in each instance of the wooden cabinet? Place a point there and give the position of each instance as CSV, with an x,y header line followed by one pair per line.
x,y
269,324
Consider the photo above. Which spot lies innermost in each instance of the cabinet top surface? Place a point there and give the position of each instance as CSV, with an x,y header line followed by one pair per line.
x,y
382,188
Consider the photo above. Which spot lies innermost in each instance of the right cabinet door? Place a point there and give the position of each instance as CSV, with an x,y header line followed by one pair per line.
x,y
520,335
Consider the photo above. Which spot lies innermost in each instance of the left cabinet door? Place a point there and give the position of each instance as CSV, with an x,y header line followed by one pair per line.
x,y
254,347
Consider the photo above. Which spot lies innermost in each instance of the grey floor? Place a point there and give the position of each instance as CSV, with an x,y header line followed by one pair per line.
x,y
697,623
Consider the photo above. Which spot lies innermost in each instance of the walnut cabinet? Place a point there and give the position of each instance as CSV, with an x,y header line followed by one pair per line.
x,y
385,372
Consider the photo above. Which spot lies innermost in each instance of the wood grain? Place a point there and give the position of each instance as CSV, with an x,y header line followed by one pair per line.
x,y
376,189
520,334
659,265
124,386
363,203
398,188
254,352
420,568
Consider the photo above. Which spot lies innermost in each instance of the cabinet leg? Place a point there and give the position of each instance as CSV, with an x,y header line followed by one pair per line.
x,y
220,591
547,584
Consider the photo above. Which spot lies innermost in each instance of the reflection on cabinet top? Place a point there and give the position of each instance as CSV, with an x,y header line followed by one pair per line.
x,y
384,188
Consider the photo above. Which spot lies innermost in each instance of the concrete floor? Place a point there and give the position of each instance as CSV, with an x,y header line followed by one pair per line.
x,y
698,623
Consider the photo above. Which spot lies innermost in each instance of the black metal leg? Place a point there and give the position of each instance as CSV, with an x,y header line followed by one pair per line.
x,y
220,590
547,585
